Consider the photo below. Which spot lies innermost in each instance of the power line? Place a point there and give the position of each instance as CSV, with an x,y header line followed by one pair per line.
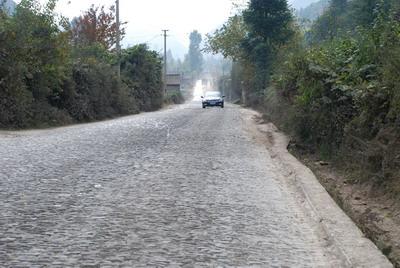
x,y
154,37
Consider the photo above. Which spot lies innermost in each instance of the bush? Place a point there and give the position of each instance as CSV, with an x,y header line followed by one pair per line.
x,y
141,71
341,98
46,78
175,97
95,93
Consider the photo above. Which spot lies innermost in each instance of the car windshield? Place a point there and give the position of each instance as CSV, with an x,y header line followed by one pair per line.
x,y
215,94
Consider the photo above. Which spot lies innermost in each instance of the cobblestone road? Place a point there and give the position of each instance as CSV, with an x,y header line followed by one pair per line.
x,y
183,187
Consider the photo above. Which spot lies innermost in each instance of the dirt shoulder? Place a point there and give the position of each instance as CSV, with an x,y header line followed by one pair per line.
x,y
375,213
356,249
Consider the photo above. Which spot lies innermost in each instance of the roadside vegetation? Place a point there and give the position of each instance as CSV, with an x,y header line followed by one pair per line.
x,y
335,86
54,72
332,83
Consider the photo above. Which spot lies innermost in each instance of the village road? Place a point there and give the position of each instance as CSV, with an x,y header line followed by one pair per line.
x,y
182,187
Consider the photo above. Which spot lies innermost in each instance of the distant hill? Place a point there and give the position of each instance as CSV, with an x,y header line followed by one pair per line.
x,y
313,11
298,4
8,6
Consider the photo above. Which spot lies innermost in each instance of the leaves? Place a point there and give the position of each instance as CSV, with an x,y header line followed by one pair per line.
x,y
228,39
97,26
52,72
141,69
194,58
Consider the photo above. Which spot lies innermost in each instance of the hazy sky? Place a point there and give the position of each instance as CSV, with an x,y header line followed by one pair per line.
x,y
146,18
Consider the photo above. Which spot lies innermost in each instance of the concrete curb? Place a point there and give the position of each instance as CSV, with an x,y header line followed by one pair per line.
x,y
346,237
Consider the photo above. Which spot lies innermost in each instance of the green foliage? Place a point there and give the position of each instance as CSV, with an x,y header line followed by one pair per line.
x,y
364,12
339,91
253,39
335,87
347,17
34,61
95,93
142,72
194,58
317,83
228,39
93,53
270,27
47,79
174,97
269,20
332,23
346,87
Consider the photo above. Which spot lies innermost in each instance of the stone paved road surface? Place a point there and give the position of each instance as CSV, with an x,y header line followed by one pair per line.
x,y
183,187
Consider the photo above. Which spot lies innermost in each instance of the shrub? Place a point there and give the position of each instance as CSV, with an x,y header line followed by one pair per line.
x,y
47,79
175,97
141,71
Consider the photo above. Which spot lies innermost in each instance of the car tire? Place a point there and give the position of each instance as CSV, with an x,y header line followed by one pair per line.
x,y
222,106
204,106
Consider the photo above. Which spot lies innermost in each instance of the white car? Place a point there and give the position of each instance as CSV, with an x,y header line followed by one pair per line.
x,y
213,98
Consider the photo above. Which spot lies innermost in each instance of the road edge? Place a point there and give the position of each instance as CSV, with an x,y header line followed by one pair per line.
x,y
355,248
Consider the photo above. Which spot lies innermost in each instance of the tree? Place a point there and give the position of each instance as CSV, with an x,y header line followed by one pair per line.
x,y
252,38
34,57
228,39
269,20
364,12
97,26
141,70
333,22
173,65
194,58
41,45
269,27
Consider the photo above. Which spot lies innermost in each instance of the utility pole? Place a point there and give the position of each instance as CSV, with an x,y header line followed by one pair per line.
x,y
118,45
223,79
165,60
